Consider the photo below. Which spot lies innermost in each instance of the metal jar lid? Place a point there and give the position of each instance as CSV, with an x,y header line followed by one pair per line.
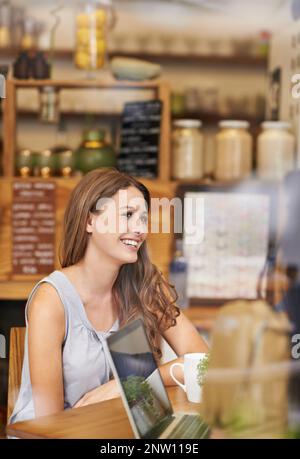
x,y
188,124
234,124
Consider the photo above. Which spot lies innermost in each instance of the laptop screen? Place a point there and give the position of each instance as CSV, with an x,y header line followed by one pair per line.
x,y
139,376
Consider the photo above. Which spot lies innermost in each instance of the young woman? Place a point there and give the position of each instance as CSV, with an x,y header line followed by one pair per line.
x,y
106,280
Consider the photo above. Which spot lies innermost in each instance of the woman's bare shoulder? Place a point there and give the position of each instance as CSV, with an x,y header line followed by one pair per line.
x,y
46,304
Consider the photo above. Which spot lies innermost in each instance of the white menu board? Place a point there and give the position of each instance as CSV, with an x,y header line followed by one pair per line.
x,y
228,260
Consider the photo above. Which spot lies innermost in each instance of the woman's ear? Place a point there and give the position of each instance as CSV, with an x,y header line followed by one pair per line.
x,y
89,223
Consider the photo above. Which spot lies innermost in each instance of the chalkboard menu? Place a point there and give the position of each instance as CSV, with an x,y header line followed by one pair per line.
x,y
33,227
140,138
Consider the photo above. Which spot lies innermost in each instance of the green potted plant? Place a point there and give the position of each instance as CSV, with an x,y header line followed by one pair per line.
x,y
202,368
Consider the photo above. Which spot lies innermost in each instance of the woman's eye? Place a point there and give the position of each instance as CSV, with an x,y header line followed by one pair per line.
x,y
128,214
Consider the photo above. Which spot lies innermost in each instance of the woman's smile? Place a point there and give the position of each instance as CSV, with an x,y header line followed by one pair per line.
x,y
131,244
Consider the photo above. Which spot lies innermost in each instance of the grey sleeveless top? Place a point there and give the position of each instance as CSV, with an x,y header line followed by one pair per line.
x,y
85,364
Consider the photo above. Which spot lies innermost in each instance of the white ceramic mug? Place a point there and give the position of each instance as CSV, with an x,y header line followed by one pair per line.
x,y
191,386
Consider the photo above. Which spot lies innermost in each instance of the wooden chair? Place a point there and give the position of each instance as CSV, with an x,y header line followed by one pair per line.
x,y
16,354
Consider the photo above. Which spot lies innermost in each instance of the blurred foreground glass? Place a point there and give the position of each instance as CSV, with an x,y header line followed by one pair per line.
x,y
254,403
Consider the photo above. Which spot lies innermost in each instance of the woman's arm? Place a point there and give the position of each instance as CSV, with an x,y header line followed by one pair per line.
x,y
46,329
183,339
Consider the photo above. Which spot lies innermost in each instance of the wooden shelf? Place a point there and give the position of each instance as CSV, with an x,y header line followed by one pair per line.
x,y
196,59
170,58
205,117
88,84
72,114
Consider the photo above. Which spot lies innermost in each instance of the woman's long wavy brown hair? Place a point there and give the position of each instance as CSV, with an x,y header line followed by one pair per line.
x,y
140,288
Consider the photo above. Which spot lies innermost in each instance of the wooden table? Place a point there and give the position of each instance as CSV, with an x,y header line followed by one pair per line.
x,y
106,420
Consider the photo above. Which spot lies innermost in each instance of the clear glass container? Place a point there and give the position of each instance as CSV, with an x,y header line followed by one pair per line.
x,y
234,146
24,163
187,150
28,40
5,24
18,18
49,105
46,164
93,21
65,163
276,150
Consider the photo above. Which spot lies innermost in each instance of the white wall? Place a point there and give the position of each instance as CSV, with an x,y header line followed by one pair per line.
x,y
238,18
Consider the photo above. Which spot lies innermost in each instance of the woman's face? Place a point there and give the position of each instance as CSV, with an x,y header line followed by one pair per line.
x,y
120,225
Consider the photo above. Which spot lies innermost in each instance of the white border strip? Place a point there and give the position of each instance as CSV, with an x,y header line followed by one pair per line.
x,y
2,87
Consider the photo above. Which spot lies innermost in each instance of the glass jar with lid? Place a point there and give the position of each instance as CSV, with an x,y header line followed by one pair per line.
x,y
46,163
24,163
94,152
94,19
187,150
276,150
234,146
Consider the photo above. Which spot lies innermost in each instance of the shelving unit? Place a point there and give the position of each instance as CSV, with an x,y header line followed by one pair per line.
x,y
10,112
208,118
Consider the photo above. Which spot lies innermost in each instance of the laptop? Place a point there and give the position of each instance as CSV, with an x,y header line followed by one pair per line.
x,y
142,390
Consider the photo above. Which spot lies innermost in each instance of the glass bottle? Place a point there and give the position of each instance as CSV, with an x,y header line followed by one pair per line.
x,y
5,24
178,274
49,104
18,18
27,40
